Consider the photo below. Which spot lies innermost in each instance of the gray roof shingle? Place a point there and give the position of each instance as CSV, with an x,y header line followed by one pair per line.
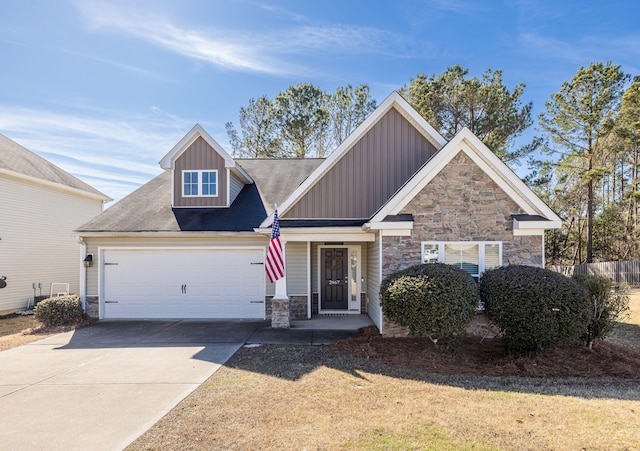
x,y
148,209
17,158
277,179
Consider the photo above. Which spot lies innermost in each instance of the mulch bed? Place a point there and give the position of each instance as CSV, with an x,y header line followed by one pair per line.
x,y
487,358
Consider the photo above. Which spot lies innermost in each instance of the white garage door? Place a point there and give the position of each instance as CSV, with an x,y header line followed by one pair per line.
x,y
183,283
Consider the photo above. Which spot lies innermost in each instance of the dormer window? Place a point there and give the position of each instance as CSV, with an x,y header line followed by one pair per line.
x,y
200,183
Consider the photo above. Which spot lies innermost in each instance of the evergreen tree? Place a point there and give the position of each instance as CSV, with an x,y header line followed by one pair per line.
x,y
451,101
578,120
258,137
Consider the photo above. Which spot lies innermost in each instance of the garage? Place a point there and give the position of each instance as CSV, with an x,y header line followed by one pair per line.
x,y
183,283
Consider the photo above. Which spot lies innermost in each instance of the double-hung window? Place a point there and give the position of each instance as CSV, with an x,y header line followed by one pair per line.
x,y
475,257
199,183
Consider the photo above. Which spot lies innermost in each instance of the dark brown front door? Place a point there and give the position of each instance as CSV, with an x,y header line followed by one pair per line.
x,y
334,279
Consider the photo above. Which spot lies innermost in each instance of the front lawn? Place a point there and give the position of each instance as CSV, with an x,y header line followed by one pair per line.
x,y
14,330
318,397
18,330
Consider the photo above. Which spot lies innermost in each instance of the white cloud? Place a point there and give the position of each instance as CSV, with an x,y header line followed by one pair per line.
x,y
280,11
216,48
246,50
556,48
582,52
127,67
113,151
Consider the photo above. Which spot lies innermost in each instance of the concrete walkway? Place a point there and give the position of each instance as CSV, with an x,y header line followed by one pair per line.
x,y
101,387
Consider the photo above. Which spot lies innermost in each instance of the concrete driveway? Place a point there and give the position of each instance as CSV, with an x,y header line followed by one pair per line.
x,y
101,387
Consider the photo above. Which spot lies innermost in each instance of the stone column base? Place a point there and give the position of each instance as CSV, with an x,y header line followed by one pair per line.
x,y
91,306
280,314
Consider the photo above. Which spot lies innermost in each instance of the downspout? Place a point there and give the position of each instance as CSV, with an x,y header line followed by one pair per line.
x,y
544,233
380,281
83,273
309,276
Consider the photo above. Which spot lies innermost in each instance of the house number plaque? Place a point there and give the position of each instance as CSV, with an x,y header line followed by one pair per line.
x,y
334,282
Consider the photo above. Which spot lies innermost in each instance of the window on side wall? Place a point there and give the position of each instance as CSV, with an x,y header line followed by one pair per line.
x,y
471,256
200,183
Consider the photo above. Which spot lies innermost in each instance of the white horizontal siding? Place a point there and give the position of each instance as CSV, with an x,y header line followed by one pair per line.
x,y
37,242
297,271
235,186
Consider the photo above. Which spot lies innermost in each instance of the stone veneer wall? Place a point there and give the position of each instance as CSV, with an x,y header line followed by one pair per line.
x,y
461,203
92,306
297,307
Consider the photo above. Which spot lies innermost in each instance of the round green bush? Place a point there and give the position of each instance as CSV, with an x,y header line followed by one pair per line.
x,y
59,310
433,299
536,309
608,303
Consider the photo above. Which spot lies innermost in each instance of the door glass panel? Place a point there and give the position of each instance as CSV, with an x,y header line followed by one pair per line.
x,y
354,278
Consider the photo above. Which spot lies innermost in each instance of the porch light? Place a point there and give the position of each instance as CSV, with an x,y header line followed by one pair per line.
x,y
88,261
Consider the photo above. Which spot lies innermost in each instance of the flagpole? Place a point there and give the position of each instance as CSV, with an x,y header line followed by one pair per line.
x,y
280,318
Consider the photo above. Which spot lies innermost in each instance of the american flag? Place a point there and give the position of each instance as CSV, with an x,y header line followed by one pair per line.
x,y
275,259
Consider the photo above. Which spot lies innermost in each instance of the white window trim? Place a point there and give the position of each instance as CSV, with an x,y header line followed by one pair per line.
x,y
200,172
481,249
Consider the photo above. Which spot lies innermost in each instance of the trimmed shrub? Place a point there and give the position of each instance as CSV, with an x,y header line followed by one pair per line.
x,y
59,310
434,299
535,308
608,303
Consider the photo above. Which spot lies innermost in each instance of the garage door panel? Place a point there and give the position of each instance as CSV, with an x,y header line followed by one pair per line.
x,y
217,284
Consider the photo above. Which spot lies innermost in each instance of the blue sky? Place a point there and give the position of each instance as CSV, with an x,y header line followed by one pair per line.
x,y
104,89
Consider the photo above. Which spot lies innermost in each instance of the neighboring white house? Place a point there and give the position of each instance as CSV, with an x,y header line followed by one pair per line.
x,y
40,206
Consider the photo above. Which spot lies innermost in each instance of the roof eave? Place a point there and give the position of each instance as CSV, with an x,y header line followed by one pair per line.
x,y
58,186
159,233
393,100
168,161
471,145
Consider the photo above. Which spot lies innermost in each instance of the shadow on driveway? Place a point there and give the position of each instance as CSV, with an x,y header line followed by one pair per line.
x,y
162,333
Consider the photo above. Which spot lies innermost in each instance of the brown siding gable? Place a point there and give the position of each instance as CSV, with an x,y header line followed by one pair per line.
x,y
367,175
198,151
200,156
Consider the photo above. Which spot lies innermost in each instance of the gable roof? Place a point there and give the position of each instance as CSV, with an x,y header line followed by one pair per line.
x,y
17,161
465,141
394,100
168,161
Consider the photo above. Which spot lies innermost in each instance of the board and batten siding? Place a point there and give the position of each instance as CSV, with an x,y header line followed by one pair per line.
x,y
201,242
368,174
200,156
37,239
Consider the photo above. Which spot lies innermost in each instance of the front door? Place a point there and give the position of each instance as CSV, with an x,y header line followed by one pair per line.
x,y
334,278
